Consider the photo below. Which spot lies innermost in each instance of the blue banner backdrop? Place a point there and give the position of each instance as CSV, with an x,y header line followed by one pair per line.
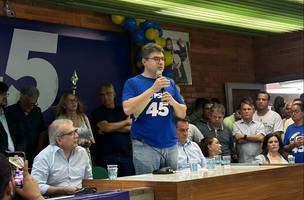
x,y
45,55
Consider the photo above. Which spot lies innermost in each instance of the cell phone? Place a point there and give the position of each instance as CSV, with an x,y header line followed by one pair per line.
x,y
16,159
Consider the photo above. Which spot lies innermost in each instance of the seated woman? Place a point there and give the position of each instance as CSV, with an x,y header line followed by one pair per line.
x,y
70,107
272,151
210,147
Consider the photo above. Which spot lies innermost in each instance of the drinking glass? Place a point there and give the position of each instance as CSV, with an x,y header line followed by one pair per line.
x,y
226,161
112,171
291,159
218,159
193,165
210,163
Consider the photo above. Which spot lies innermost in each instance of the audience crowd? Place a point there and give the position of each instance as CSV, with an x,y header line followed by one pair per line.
x,y
252,134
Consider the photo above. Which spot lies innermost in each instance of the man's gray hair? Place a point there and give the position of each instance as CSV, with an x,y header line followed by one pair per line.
x,y
55,129
30,91
218,108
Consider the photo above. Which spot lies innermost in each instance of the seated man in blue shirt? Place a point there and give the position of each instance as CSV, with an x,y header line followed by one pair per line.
x,y
62,165
187,151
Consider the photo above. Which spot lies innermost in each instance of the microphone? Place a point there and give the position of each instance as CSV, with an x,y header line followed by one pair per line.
x,y
159,74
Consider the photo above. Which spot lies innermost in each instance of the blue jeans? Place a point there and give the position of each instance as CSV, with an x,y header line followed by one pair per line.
x,y
146,158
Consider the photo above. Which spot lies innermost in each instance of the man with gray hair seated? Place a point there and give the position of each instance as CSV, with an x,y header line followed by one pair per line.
x,y
62,165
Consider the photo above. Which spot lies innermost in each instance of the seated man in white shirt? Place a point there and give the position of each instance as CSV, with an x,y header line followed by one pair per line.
x,y
62,165
187,151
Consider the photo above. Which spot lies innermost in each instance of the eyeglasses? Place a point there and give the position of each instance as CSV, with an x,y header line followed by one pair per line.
x,y
106,93
157,59
29,101
29,104
295,111
74,100
70,133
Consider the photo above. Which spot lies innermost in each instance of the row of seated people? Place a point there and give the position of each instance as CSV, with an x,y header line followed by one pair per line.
x,y
109,118
61,166
55,178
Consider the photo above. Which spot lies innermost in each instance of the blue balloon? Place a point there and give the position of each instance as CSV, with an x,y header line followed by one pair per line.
x,y
138,36
156,25
130,24
161,32
146,41
147,24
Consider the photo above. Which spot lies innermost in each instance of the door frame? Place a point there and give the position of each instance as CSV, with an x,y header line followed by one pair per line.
x,y
229,87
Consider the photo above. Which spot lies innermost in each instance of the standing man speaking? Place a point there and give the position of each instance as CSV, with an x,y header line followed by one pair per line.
x,y
153,100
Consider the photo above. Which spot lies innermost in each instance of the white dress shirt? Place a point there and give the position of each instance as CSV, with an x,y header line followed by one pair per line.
x,y
52,168
189,152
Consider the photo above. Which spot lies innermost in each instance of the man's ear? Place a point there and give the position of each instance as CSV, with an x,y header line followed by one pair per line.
x,y
143,61
114,94
21,98
58,140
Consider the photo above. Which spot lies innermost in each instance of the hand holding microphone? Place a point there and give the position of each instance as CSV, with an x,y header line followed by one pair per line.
x,y
163,82
160,83
167,98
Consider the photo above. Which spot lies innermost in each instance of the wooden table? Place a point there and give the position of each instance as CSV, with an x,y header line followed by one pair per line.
x,y
276,182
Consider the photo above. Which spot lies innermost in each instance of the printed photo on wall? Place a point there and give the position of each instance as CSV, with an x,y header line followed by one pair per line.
x,y
179,69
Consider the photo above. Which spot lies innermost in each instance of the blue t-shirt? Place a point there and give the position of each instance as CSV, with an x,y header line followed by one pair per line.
x,y
155,125
291,134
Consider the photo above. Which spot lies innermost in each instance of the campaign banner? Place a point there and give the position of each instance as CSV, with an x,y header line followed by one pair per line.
x,y
45,55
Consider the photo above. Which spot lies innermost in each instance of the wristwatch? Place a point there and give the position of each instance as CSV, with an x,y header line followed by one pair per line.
x,y
245,137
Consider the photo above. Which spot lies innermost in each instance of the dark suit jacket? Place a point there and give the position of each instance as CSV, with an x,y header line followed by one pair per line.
x,y
15,134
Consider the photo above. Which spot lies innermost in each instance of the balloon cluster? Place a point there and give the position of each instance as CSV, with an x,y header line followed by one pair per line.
x,y
144,32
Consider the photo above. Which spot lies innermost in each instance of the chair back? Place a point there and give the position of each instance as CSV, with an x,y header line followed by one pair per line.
x,y
99,172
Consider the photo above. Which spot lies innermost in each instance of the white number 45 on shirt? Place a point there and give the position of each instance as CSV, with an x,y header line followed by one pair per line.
x,y
158,108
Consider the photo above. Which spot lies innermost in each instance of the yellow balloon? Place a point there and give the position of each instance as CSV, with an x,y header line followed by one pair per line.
x,y
118,19
168,58
160,41
152,33
139,21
